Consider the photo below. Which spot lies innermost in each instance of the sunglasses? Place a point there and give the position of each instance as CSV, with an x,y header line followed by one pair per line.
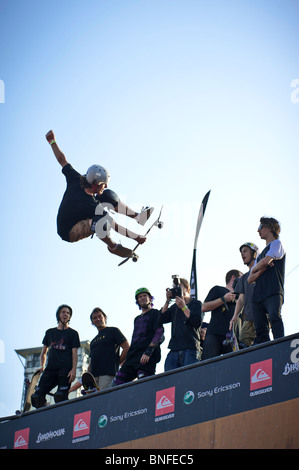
x,y
262,226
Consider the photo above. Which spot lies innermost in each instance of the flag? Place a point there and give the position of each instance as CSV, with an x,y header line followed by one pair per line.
x,y
193,278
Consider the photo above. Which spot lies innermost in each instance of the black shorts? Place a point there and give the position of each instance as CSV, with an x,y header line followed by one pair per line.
x,y
52,378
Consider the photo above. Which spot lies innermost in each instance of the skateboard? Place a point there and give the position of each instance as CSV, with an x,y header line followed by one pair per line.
x,y
231,340
133,255
89,384
29,389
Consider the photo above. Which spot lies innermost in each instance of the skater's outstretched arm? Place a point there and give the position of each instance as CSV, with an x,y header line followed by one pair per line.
x,y
60,157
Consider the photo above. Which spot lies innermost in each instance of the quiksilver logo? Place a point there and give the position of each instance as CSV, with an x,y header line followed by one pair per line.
x,y
164,402
259,376
80,425
20,442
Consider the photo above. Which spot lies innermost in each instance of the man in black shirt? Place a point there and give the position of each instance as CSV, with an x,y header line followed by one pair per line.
x,y
185,316
220,301
61,345
249,251
105,357
104,350
144,352
82,210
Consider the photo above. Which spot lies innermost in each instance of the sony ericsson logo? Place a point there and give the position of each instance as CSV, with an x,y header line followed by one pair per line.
x,y
103,420
189,397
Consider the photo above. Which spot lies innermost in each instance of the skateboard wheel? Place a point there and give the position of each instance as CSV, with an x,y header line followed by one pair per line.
x,y
134,257
160,224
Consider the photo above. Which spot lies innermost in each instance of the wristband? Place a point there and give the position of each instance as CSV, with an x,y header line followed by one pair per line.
x,y
184,308
149,351
51,142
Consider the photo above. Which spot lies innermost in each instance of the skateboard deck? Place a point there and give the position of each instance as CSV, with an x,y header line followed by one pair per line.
x,y
31,389
133,255
231,340
89,384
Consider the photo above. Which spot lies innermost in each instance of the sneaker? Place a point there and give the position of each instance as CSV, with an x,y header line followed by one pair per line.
x,y
144,215
121,251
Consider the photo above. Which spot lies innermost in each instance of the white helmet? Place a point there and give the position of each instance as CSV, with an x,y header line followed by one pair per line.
x,y
252,246
97,174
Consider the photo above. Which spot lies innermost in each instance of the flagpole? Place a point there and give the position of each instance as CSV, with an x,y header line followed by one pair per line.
x,y
193,277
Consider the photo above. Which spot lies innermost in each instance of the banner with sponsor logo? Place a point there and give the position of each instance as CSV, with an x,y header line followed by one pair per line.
x,y
238,382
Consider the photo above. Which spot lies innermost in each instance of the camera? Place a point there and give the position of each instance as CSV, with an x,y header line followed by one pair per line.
x,y
176,290
235,282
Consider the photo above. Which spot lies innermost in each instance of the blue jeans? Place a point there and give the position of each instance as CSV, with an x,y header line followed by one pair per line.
x,y
181,358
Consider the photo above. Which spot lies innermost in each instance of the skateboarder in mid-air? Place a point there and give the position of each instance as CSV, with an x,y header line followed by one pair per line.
x,y
82,210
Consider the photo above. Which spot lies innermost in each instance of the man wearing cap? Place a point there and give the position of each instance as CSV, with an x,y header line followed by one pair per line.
x,y
144,352
268,275
249,252
82,210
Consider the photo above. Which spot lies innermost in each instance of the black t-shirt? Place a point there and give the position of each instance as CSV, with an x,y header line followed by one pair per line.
x,y
104,351
76,204
271,282
60,344
185,332
220,317
243,287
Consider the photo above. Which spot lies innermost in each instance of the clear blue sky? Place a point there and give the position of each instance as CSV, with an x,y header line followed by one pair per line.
x,y
175,98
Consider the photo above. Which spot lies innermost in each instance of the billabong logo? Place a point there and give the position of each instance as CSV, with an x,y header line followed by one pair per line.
x,y
165,401
81,424
261,374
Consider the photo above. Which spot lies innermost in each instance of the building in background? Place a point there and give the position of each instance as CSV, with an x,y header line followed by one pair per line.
x,y
31,362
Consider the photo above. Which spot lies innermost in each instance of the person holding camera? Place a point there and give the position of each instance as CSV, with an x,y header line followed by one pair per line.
x,y
185,316
220,301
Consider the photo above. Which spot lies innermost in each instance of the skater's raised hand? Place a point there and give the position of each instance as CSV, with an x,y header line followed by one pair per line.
x,y
50,136
60,157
